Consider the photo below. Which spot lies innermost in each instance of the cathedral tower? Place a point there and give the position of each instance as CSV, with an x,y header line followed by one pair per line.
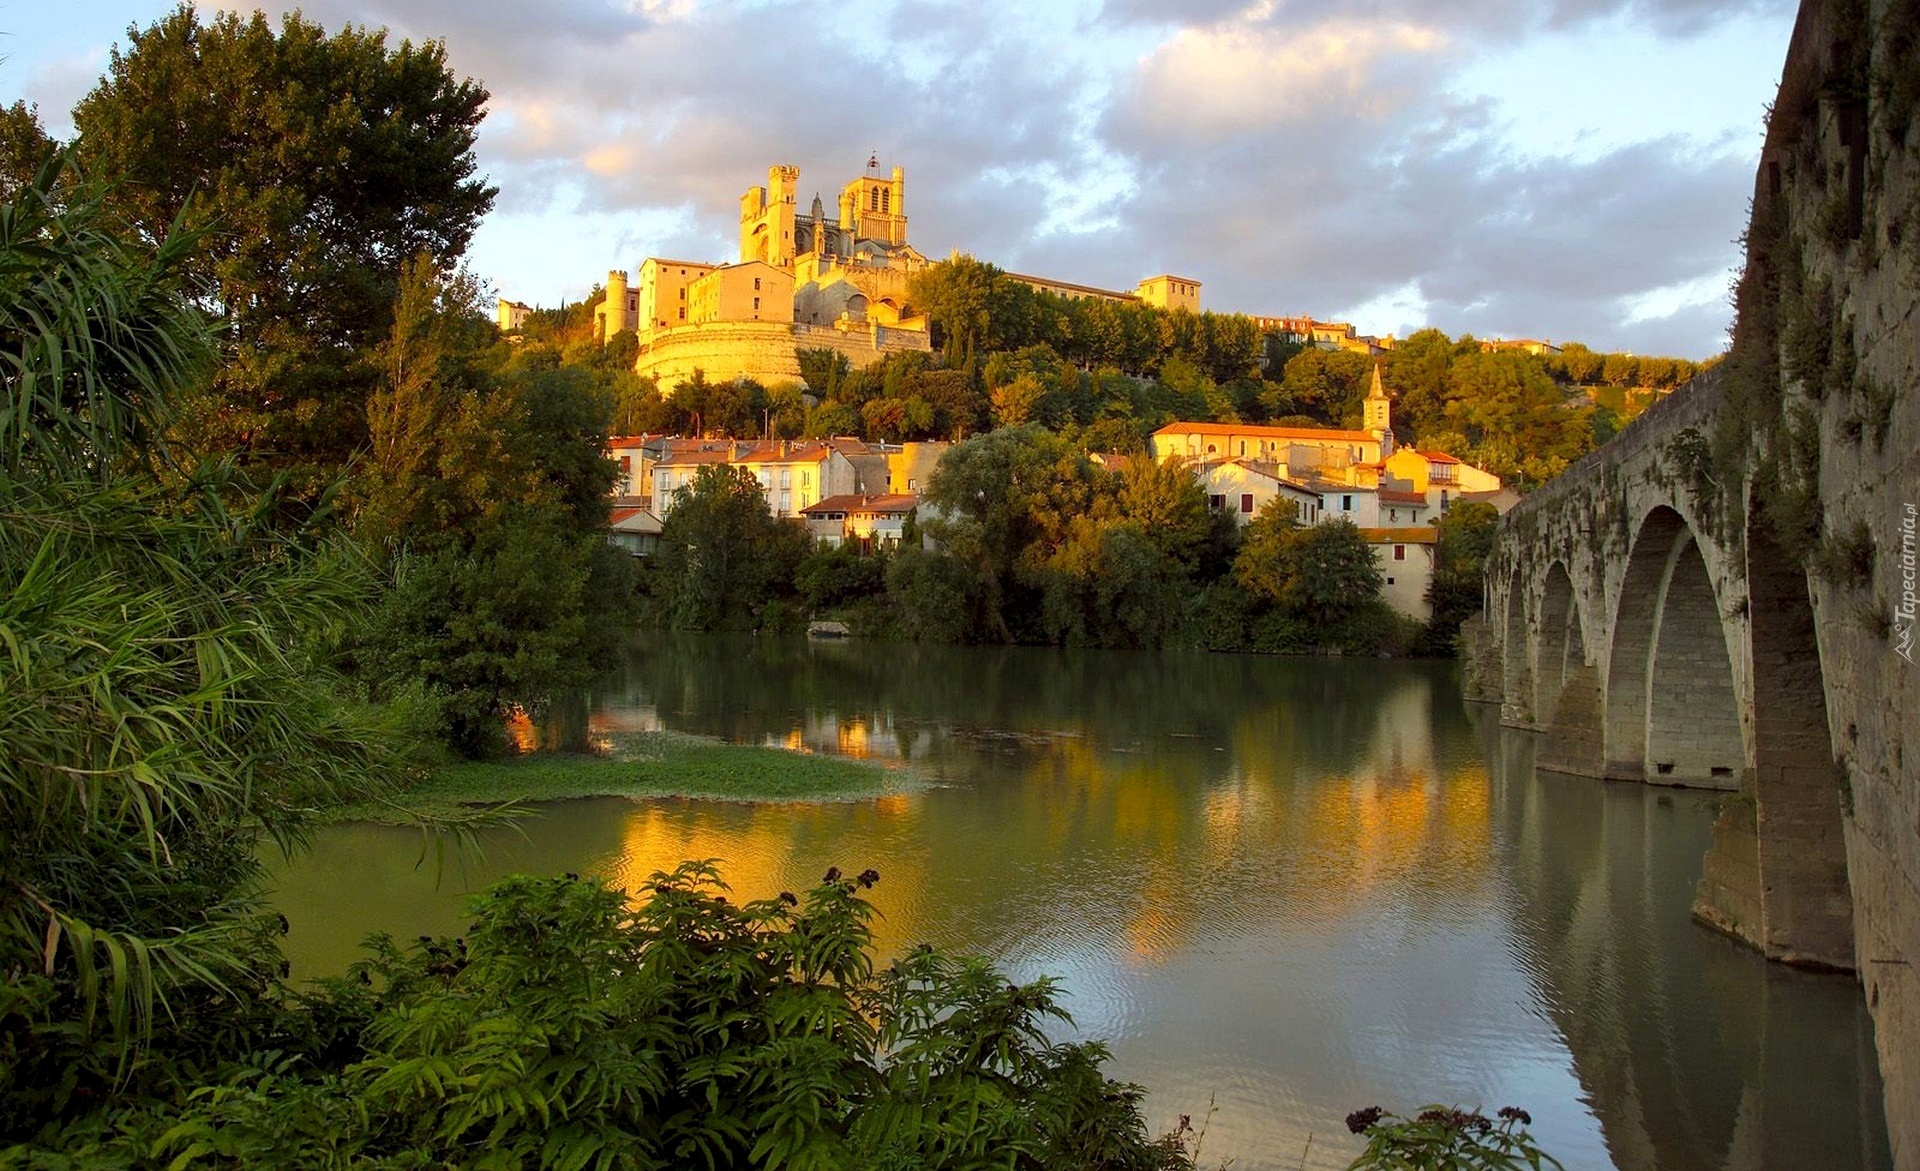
x,y
873,208
766,218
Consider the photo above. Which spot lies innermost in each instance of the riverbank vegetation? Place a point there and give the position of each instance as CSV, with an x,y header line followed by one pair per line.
x,y
1036,542
634,764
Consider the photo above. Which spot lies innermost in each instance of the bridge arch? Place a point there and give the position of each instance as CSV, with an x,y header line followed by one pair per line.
x,y
1673,710
1514,643
1562,646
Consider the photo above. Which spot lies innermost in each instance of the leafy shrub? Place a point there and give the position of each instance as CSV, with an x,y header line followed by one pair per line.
x,y
1442,1138
572,1028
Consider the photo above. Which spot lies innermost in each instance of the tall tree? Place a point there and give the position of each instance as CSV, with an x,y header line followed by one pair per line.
x,y
312,168
24,147
1324,573
723,555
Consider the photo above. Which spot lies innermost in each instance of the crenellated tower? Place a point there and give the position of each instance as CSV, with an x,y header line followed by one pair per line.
x,y
766,218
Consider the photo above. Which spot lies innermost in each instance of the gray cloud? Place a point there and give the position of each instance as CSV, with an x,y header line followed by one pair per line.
x,y
1308,160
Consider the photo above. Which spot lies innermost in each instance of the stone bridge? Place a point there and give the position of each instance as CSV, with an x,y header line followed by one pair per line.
x,y
1723,596
1652,641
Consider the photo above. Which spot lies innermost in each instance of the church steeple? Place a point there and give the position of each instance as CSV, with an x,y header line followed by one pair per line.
x,y
1379,412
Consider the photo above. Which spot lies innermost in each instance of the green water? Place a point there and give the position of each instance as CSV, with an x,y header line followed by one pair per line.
x,y
1287,887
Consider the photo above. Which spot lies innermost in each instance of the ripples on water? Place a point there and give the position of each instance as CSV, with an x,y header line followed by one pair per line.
x,y
1291,888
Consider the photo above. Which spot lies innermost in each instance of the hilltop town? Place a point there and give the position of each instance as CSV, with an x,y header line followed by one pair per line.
x,y
832,365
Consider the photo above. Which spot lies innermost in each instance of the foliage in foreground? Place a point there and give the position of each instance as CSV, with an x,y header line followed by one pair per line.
x,y
159,711
572,1027
1442,1138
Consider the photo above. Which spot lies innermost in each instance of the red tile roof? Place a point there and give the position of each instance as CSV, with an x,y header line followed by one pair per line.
x,y
1417,535
1394,496
1320,433
901,502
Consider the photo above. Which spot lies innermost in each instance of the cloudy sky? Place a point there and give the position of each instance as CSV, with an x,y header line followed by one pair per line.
x,y
1572,169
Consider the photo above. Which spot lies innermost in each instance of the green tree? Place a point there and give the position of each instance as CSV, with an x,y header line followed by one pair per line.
x,y
1328,385
1517,421
935,598
310,168
1620,370
1415,374
1457,589
1170,507
484,500
1002,503
1322,573
722,555
957,297
24,147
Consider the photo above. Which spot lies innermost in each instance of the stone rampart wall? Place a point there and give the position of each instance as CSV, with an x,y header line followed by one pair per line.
x,y
760,350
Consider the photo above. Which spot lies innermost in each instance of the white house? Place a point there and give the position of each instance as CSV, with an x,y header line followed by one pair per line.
x,y
872,522
1405,557
1243,487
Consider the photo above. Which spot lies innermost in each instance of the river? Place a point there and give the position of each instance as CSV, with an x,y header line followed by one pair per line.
x,y
1287,888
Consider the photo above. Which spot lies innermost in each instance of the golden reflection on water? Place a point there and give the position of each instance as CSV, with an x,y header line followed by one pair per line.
x,y
766,848
1297,887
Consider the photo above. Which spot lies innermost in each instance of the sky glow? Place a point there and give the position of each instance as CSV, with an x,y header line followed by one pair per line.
x,y
1570,169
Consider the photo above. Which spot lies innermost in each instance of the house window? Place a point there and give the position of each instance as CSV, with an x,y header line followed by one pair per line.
x,y
1399,552
1216,501
786,478
806,478
1393,514
756,282
683,312
1389,581
1346,504
756,304
786,503
1246,502
1243,447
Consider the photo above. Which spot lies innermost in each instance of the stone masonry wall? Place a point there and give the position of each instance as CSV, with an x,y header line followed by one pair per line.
x,y
760,350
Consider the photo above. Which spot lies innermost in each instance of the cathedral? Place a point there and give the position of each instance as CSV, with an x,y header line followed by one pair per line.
x,y
804,280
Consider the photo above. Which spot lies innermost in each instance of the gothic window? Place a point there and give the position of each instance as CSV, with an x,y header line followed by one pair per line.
x,y
886,201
